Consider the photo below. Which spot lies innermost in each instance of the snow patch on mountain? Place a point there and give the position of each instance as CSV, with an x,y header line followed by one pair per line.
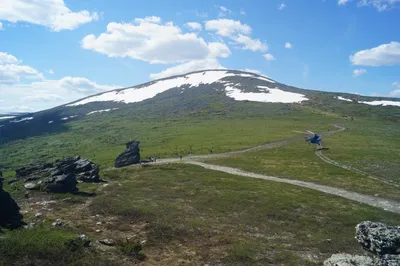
x,y
343,99
22,119
266,94
68,117
139,94
100,111
6,117
383,103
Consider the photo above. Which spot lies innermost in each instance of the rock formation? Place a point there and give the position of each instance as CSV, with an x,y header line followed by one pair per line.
x,y
130,156
379,238
10,217
382,240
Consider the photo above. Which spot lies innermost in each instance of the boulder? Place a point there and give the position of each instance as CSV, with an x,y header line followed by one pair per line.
x,y
378,238
388,260
343,259
65,183
130,156
10,217
34,171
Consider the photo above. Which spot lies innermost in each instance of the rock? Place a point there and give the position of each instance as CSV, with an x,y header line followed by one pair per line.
x,y
57,223
98,223
38,215
31,186
65,183
85,241
343,259
107,242
34,171
29,226
10,216
12,181
130,156
98,231
378,238
388,260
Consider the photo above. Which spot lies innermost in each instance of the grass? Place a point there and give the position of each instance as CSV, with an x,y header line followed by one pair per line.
x,y
373,146
44,246
230,219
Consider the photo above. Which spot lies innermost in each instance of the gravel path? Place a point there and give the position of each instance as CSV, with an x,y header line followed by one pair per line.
x,y
385,204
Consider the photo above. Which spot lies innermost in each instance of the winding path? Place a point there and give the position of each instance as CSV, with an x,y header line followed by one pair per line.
x,y
385,204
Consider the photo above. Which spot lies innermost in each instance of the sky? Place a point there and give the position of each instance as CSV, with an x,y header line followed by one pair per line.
x,y
53,52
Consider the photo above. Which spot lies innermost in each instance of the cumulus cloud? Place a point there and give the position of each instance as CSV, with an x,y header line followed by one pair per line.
x,y
250,44
24,94
237,32
359,72
269,57
282,6
227,27
148,40
11,71
49,13
210,63
194,25
288,45
382,55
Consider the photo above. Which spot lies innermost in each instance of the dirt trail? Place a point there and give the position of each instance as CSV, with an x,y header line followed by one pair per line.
x,y
388,205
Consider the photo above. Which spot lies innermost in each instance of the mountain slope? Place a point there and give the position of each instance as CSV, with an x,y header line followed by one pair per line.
x,y
200,92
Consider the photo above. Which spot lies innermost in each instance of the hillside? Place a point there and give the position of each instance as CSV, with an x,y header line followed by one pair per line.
x,y
248,191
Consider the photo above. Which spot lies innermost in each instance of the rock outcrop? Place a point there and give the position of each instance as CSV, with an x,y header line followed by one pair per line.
x,y
382,240
343,259
378,238
130,156
62,171
10,217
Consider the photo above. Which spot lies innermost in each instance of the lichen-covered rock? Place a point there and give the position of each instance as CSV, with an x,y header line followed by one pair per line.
x,y
387,260
130,156
65,183
343,259
378,238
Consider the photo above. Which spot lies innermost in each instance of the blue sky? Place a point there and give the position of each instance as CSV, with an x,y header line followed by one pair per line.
x,y
53,51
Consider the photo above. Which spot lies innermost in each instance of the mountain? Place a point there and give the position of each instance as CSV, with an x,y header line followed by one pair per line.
x,y
207,91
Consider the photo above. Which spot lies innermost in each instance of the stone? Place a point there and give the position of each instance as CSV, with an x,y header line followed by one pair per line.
x,y
378,238
98,223
130,156
387,260
10,216
107,242
31,186
343,259
65,183
57,223
38,215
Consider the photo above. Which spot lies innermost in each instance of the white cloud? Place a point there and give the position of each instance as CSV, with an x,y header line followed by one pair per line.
x,y
218,49
282,6
342,2
50,71
288,45
250,44
242,12
237,32
12,72
194,25
382,55
396,91
210,63
1,25
380,5
269,57
149,40
223,11
21,93
227,27
49,13
359,72
201,14
6,58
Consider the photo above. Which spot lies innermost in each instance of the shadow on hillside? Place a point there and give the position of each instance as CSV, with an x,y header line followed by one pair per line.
x,y
32,125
